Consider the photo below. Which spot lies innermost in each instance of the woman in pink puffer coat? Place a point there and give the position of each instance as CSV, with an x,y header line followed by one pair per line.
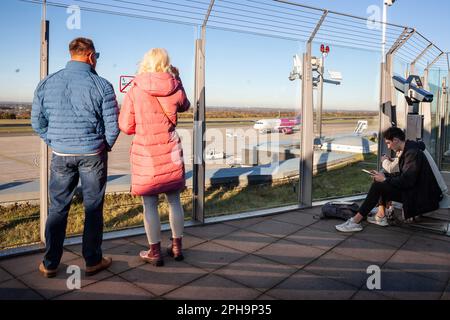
x,y
149,111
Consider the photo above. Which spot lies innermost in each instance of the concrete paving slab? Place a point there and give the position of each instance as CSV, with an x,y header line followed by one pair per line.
x,y
244,240
256,272
124,257
15,290
243,223
19,266
213,287
274,228
290,253
5,276
422,264
161,280
114,288
364,250
106,245
408,286
429,246
210,232
211,256
188,241
296,217
307,286
341,268
383,236
317,238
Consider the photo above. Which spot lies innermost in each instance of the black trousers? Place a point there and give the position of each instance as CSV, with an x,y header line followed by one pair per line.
x,y
379,193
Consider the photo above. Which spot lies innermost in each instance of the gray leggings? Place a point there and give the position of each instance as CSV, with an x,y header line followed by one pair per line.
x,y
151,217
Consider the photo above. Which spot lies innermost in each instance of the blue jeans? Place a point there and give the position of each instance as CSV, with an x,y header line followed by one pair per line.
x,y
64,176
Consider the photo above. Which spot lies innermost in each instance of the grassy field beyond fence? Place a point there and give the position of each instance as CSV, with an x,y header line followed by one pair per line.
x,y
19,223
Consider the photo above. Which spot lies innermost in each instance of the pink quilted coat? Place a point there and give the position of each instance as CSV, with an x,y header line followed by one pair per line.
x,y
157,164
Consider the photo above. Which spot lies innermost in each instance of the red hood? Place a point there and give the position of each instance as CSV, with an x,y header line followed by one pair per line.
x,y
158,84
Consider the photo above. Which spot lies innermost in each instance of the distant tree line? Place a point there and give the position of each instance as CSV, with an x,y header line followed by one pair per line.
x,y
12,115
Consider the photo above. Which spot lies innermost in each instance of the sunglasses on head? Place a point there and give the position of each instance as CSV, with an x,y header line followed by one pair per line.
x,y
96,55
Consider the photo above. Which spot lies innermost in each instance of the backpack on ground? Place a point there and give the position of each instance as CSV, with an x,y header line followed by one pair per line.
x,y
339,210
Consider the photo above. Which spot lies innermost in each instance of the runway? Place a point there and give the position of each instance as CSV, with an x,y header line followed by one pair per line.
x,y
19,155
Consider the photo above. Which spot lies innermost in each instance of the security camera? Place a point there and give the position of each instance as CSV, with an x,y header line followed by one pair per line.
x,y
389,2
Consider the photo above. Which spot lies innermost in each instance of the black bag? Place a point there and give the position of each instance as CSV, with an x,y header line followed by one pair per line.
x,y
339,210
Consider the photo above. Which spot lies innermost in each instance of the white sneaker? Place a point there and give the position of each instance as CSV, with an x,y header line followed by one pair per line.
x,y
375,219
349,226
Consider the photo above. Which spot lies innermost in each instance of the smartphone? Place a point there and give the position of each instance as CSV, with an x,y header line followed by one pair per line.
x,y
367,171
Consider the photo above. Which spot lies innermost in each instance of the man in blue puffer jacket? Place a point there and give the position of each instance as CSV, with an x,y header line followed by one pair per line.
x,y
75,112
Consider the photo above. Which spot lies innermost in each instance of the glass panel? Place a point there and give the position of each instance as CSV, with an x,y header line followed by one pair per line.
x,y
122,42
350,123
19,146
252,138
434,82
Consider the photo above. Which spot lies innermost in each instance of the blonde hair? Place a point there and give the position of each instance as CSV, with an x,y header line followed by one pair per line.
x,y
155,60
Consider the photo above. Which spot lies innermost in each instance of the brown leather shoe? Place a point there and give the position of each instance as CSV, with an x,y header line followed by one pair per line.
x,y
48,273
105,263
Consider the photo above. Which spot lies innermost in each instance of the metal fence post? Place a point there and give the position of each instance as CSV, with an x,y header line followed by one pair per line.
x,y
43,197
307,142
198,175
198,183
307,118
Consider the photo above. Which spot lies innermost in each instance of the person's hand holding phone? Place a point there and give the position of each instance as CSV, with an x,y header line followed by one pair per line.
x,y
378,176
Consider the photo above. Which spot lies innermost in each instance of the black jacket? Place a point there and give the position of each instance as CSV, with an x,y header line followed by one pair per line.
x,y
416,181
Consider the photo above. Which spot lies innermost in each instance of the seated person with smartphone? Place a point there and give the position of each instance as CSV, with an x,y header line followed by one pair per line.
x,y
390,166
414,185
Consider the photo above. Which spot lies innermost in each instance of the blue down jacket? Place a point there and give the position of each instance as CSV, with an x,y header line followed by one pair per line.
x,y
75,111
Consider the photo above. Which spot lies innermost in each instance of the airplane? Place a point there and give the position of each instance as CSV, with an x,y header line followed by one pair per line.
x,y
284,125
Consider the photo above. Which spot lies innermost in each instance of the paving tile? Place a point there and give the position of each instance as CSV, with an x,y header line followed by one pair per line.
x,y
307,286
211,256
29,263
256,272
244,240
188,241
114,288
365,294
446,294
107,244
296,217
53,287
317,238
419,263
434,236
365,250
274,228
265,297
341,268
213,287
383,236
428,246
244,223
5,276
124,257
290,253
311,211
15,290
210,232
159,281
329,225
408,286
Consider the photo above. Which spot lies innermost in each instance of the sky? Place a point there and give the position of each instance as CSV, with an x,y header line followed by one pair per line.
x,y
242,70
